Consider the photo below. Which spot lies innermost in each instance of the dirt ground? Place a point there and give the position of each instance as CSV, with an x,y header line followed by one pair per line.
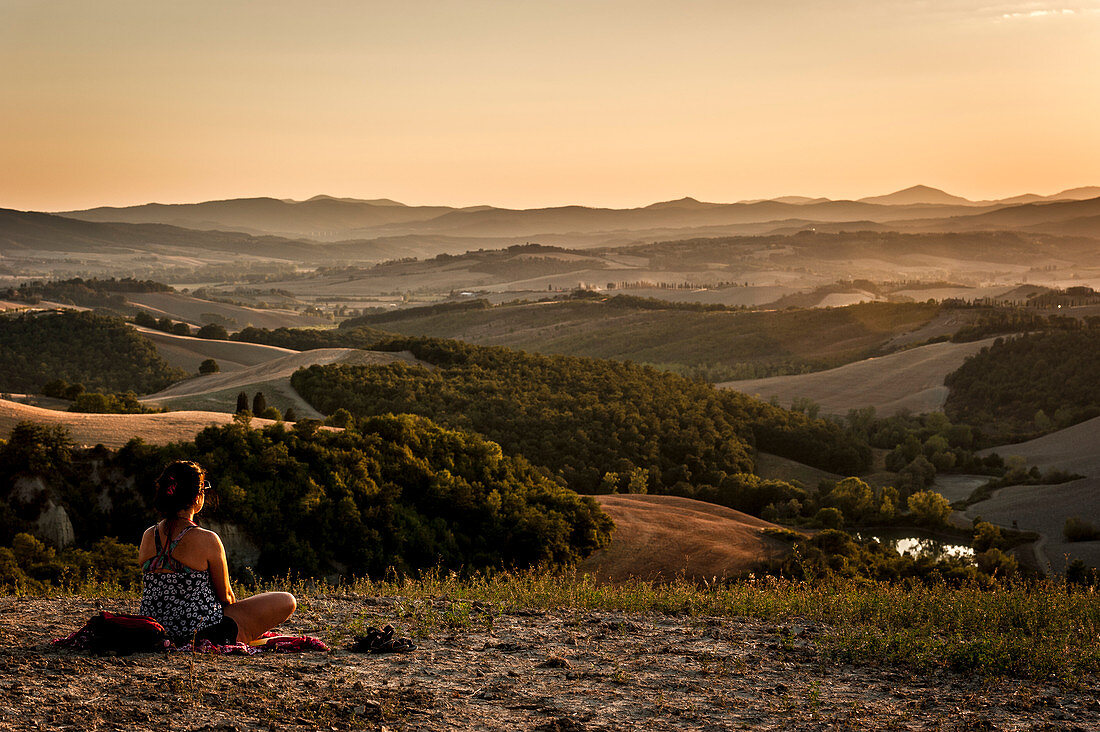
x,y
524,671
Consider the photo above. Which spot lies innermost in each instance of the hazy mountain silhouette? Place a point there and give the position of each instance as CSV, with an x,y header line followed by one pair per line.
x,y
326,218
1077,194
351,224
917,194
29,230
788,199
1051,217
322,217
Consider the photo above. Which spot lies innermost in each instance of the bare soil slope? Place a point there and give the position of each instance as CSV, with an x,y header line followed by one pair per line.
x,y
910,379
667,536
115,430
218,392
187,353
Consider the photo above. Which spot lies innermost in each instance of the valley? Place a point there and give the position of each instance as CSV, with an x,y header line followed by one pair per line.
x,y
809,312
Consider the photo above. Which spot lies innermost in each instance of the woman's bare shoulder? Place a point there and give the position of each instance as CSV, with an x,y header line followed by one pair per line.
x,y
205,536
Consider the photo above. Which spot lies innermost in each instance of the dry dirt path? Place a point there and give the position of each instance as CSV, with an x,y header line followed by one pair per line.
x,y
910,380
538,671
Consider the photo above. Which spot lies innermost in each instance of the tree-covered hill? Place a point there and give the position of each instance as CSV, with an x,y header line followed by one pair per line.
x,y
305,339
91,293
600,425
1029,384
396,492
101,352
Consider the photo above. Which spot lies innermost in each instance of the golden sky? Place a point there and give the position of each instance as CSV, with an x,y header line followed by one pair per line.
x,y
529,103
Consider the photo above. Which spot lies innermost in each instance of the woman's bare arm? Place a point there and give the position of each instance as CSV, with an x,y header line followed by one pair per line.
x,y
219,572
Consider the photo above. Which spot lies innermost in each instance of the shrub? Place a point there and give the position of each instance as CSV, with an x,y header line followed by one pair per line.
x,y
996,563
213,331
829,518
1078,529
987,536
209,366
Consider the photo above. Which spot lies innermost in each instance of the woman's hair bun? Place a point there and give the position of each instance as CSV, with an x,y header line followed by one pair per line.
x,y
178,486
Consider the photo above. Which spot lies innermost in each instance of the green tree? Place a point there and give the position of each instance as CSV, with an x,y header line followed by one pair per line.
x,y
213,331
242,403
854,498
209,366
930,508
259,403
340,418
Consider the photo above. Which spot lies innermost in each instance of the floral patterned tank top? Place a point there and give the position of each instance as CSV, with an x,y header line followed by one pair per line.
x,y
181,599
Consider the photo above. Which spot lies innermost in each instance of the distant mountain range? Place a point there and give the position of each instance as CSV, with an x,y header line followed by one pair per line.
x,y
326,218
325,230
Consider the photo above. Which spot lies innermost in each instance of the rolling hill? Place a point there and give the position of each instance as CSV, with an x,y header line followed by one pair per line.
x,y
187,353
665,537
911,379
218,392
659,333
178,306
1045,508
115,430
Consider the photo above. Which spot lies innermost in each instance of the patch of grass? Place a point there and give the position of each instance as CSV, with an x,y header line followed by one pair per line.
x,y
1037,629
1031,630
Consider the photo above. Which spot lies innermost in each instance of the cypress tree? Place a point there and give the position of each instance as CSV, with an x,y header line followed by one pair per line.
x,y
259,403
242,402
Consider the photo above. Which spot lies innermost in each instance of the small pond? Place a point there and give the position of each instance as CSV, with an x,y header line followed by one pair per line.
x,y
917,543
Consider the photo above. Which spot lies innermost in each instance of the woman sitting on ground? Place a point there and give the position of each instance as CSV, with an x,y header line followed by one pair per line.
x,y
185,575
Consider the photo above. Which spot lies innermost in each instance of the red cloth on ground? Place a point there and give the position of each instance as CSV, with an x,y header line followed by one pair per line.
x,y
120,633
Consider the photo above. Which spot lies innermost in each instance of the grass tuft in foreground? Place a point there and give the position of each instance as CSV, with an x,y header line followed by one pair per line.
x,y
1038,629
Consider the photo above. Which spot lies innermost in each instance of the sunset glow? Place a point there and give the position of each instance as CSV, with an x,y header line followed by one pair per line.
x,y
525,104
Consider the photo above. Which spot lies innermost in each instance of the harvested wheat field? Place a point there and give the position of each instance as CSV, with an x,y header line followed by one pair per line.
x,y
178,306
218,392
910,380
664,537
187,352
1045,508
1075,449
115,430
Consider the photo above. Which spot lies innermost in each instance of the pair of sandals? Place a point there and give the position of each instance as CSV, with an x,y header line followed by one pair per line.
x,y
382,641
